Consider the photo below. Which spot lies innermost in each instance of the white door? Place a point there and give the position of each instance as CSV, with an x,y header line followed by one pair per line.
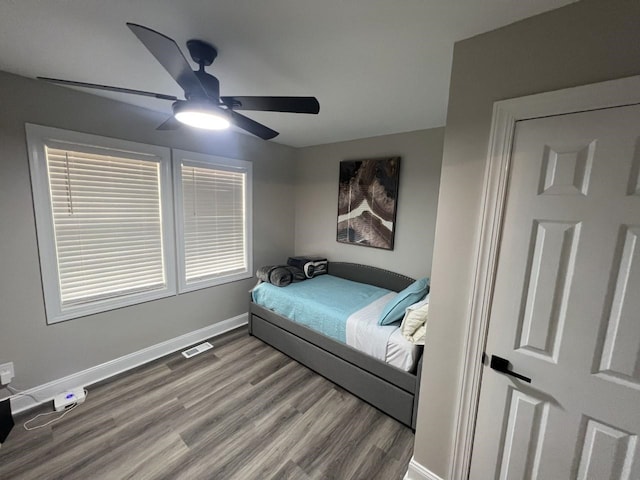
x,y
566,306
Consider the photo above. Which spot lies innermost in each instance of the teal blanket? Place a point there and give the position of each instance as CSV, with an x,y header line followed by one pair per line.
x,y
323,303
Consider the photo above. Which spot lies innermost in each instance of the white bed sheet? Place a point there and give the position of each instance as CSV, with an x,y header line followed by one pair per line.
x,y
384,342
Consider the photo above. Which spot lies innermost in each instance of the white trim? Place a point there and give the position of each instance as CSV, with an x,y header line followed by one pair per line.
x,y
506,113
223,163
419,472
45,393
38,137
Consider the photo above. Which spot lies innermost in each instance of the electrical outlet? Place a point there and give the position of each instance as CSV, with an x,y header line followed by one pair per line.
x,y
6,373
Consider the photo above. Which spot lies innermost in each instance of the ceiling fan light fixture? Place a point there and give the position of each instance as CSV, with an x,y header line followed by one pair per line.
x,y
207,117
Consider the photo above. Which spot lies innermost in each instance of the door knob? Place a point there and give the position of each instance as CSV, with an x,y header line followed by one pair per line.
x,y
501,365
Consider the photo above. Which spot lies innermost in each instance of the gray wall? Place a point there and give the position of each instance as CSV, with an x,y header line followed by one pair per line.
x,y
585,42
317,200
42,352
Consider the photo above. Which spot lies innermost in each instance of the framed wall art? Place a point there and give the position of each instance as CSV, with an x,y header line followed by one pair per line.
x,y
367,201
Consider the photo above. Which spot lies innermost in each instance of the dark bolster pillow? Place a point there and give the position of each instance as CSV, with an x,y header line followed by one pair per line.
x,y
280,275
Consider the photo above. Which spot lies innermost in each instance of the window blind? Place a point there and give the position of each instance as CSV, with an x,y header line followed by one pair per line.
x,y
213,221
107,223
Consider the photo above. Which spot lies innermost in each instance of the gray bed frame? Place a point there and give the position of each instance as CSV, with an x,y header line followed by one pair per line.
x,y
387,388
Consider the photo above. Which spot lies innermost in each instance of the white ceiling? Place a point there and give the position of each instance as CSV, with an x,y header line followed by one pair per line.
x,y
376,66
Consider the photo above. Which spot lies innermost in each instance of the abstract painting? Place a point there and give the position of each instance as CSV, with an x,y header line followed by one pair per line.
x,y
367,198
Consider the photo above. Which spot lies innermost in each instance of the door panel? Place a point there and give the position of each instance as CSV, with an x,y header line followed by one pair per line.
x,y
607,452
548,282
566,170
566,305
620,357
527,418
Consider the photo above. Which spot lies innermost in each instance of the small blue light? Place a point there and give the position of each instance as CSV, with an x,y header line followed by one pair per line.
x,y
69,395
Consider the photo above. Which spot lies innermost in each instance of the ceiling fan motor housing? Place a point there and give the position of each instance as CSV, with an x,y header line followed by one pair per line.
x,y
202,53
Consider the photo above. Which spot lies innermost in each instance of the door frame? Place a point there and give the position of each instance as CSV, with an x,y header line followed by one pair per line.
x,y
506,113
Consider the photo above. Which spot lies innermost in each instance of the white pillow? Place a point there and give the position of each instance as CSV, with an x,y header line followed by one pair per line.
x,y
413,326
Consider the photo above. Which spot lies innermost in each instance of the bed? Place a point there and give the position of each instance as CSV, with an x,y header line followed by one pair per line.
x,y
391,385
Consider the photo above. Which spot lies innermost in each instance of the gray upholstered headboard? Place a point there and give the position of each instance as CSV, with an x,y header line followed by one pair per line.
x,y
371,275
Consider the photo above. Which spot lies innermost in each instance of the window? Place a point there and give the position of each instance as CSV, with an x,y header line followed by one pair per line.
x,y
104,220
104,216
213,212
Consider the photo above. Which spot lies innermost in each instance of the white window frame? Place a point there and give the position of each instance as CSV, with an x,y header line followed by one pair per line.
x,y
38,137
209,161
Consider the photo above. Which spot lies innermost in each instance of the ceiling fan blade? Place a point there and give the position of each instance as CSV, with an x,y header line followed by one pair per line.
x,y
170,57
170,123
274,104
71,83
252,126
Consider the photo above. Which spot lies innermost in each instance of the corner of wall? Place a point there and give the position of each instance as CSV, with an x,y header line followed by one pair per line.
x,y
419,472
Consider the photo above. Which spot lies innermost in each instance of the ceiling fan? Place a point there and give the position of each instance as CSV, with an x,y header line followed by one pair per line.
x,y
203,107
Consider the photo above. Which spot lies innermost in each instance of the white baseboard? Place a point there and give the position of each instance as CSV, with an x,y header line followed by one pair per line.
x,y
46,392
419,472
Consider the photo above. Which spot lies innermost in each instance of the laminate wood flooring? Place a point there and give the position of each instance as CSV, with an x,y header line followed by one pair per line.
x,y
240,411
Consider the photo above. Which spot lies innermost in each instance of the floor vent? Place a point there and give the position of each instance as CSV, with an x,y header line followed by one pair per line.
x,y
203,347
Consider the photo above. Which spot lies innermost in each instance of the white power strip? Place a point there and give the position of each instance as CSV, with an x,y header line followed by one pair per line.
x,y
69,398
203,347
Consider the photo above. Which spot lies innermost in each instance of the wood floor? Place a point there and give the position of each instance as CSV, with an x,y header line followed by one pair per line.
x,y
240,411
